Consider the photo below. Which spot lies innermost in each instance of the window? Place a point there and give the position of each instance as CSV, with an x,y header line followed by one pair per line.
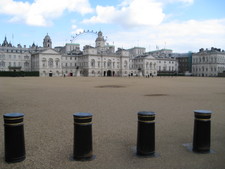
x,y
44,62
92,63
26,57
26,64
125,64
2,63
57,62
50,62
109,63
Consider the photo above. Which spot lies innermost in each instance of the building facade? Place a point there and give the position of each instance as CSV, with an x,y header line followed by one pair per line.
x,y
208,62
184,63
100,60
14,58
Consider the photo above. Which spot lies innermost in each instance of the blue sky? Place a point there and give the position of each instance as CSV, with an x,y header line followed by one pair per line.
x,y
180,25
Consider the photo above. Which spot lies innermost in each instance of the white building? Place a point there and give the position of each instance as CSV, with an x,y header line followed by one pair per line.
x,y
47,62
14,58
101,60
167,64
136,51
145,65
208,62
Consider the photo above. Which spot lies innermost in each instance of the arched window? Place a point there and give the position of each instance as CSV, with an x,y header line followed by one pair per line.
x,y
50,63
26,57
125,64
26,64
203,59
2,64
109,63
104,64
57,62
93,63
44,61
147,65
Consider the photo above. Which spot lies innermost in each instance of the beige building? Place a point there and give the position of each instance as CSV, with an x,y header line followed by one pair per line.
x,y
14,58
100,60
208,62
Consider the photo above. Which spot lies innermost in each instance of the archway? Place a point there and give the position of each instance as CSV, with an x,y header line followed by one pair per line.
x,y
109,73
50,74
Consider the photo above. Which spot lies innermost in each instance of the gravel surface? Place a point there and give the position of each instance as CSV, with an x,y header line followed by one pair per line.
x,y
49,103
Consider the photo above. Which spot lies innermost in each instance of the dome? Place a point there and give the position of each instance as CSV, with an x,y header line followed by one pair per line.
x,y
47,37
47,42
100,37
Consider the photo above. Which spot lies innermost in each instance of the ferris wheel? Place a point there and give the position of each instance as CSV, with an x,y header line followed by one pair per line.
x,y
83,34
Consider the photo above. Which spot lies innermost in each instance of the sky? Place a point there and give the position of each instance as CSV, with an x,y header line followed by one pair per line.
x,y
180,25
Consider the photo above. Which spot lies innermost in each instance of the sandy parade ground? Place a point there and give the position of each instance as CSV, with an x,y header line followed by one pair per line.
x,y
49,103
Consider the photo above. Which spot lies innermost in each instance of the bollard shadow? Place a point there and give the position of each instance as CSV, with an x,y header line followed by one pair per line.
x,y
110,86
156,95
134,154
189,147
71,158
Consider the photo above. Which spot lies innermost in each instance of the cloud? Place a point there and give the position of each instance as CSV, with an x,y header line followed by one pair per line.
x,y
77,31
74,26
180,36
130,13
41,12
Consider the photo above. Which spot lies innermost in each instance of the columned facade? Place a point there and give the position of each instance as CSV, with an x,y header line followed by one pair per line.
x,y
208,62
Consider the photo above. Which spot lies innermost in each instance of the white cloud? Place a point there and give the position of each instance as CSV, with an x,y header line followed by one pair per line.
x,y
130,13
77,31
41,12
178,36
74,26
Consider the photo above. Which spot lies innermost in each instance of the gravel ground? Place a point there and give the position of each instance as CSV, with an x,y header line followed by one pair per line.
x,y
49,104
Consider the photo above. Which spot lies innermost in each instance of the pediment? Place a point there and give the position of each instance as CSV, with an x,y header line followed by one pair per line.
x,y
49,51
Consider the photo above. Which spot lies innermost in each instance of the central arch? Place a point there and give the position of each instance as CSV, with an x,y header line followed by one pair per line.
x,y
109,73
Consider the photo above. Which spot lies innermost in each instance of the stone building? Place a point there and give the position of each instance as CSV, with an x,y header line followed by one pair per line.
x,y
144,65
46,60
136,51
167,65
208,62
14,58
100,60
184,63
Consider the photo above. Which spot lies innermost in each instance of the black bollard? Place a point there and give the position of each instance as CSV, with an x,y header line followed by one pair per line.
x,y
14,137
82,149
146,134
201,138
